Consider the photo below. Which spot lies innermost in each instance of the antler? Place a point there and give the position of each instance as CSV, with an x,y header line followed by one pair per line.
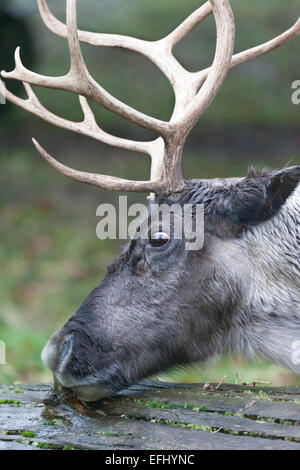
x,y
190,102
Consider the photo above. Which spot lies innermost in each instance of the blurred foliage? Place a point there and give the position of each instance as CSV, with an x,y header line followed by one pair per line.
x,y
50,257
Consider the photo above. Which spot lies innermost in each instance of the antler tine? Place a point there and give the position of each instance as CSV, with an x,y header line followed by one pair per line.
x,y
224,49
190,102
95,39
84,84
196,103
79,81
257,51
159,52
88,127
188,24
117,40
101,181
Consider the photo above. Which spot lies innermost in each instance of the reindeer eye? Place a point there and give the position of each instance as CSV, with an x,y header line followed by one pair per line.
x,y
159,239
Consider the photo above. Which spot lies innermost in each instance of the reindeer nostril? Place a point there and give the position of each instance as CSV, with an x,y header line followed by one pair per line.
x,y
61,355
65,352
56,357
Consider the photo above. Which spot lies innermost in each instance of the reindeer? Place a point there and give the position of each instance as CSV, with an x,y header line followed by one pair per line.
x,y
161,304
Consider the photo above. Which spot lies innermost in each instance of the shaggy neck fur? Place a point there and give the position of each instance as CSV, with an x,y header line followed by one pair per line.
x,y
269,318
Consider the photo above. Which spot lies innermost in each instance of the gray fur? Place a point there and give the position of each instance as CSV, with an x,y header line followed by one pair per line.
x,y
163,306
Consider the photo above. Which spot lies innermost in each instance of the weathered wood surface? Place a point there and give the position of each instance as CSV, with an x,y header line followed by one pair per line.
x,y
154,416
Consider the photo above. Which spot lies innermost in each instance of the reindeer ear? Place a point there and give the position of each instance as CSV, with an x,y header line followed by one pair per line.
x,y
256,198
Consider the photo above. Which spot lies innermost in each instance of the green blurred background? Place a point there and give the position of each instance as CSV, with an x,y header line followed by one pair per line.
x,y
50,257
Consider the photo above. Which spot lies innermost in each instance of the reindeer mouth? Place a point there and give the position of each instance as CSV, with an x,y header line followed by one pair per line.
x,y
90,393
82,393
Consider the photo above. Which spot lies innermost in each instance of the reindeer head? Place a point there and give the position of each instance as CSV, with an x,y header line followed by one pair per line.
x,y
159,304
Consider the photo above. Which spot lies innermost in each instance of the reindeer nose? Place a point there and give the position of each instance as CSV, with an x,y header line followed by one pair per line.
x,y
56,355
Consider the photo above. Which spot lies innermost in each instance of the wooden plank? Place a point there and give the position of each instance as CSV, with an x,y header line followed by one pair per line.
x,y
250,405
12,445
150,416
114,433
139,409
